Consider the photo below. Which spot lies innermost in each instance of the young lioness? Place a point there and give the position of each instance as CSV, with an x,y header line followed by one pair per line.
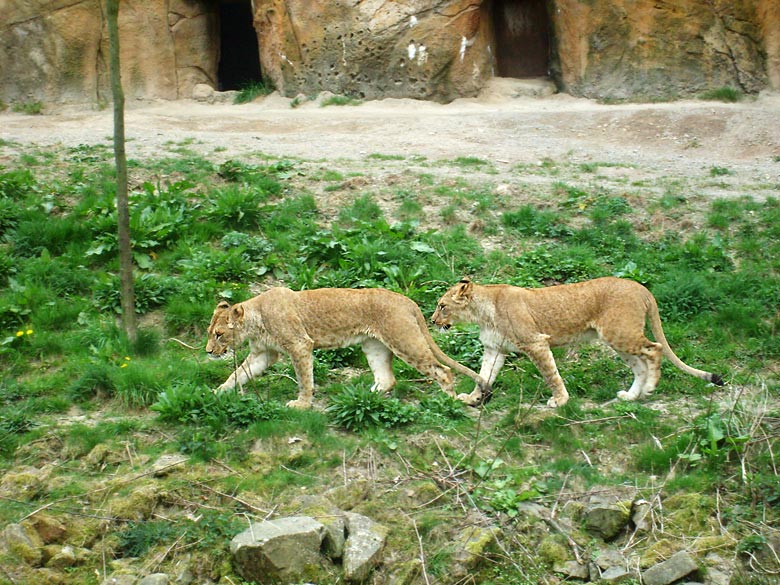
x,y
514,319
281,320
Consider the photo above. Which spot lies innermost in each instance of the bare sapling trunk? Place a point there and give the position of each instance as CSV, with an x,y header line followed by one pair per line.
x,y
122,204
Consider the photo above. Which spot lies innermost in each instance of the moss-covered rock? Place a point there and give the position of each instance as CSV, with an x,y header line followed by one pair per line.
x,y
689,514
24,484
23,546
473,544
49,528
138,504
552,551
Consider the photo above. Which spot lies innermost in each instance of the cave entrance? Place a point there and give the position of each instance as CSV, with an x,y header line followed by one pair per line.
x,y
239,55
522,37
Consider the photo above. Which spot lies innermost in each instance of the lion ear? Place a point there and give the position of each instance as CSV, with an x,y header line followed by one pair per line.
x,y
223,305
463,288
237,313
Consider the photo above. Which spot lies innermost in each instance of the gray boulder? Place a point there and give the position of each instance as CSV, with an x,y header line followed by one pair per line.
x,y
287,549
363,548
606,516
676,567
155,579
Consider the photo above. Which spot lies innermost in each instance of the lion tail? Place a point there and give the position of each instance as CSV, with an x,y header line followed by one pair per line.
x,y
484,386
655,326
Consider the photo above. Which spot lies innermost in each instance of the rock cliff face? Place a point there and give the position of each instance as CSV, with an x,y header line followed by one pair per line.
x,y
424,49
54,51
625,48
57,51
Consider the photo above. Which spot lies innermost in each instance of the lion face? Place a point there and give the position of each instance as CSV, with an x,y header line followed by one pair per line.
x,y
452,305
222,331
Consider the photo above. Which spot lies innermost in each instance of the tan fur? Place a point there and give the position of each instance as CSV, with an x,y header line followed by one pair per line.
x,y
514,319
281,320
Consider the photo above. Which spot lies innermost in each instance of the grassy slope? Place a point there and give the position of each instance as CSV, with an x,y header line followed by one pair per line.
x,y
84,414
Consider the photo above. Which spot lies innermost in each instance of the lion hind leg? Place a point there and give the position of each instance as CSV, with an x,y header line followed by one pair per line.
x,y
652,354
303,363
640,369
419,355
380,360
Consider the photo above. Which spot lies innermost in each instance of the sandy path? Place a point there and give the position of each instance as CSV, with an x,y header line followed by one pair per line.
x,y
680,138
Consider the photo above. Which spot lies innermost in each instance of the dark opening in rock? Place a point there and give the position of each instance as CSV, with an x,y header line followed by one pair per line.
x,y
522,36
239,60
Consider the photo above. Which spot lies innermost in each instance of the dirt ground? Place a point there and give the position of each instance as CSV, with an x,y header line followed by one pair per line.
x,y
684,138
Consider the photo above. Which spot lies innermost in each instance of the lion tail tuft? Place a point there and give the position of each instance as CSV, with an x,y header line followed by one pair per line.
x,y
717,380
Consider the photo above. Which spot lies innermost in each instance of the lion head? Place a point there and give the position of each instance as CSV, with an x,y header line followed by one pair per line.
x,y
453,304
224,329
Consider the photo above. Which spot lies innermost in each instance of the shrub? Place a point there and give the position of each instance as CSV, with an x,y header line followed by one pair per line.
x,y
253,90
722,94
151,291
187,404
530,221
357,407
236,207
340,100
17,184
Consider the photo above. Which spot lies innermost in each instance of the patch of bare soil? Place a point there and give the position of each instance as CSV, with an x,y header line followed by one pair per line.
x,y
678,139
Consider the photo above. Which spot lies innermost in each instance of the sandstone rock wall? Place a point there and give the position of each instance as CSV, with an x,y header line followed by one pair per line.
x,y
55,50
628,48
430,49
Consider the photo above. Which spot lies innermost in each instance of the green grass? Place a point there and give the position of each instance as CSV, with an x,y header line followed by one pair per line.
x,y
74,387
34,107
722,94
252,91
340,100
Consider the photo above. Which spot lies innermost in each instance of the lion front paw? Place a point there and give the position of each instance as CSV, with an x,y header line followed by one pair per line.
x,y
623,395
557,401
228,387
470,399
299,404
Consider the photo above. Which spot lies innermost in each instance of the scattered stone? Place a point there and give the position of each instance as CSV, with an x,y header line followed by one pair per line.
x,y
120,580
641,517
572,570
472,545
616,575
25,484
155,579
202,92
139,505
167,463
676,567
278,550
606,516
98,457
325,512
363,549
608,558
49,528
66,556
20,544
719,570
